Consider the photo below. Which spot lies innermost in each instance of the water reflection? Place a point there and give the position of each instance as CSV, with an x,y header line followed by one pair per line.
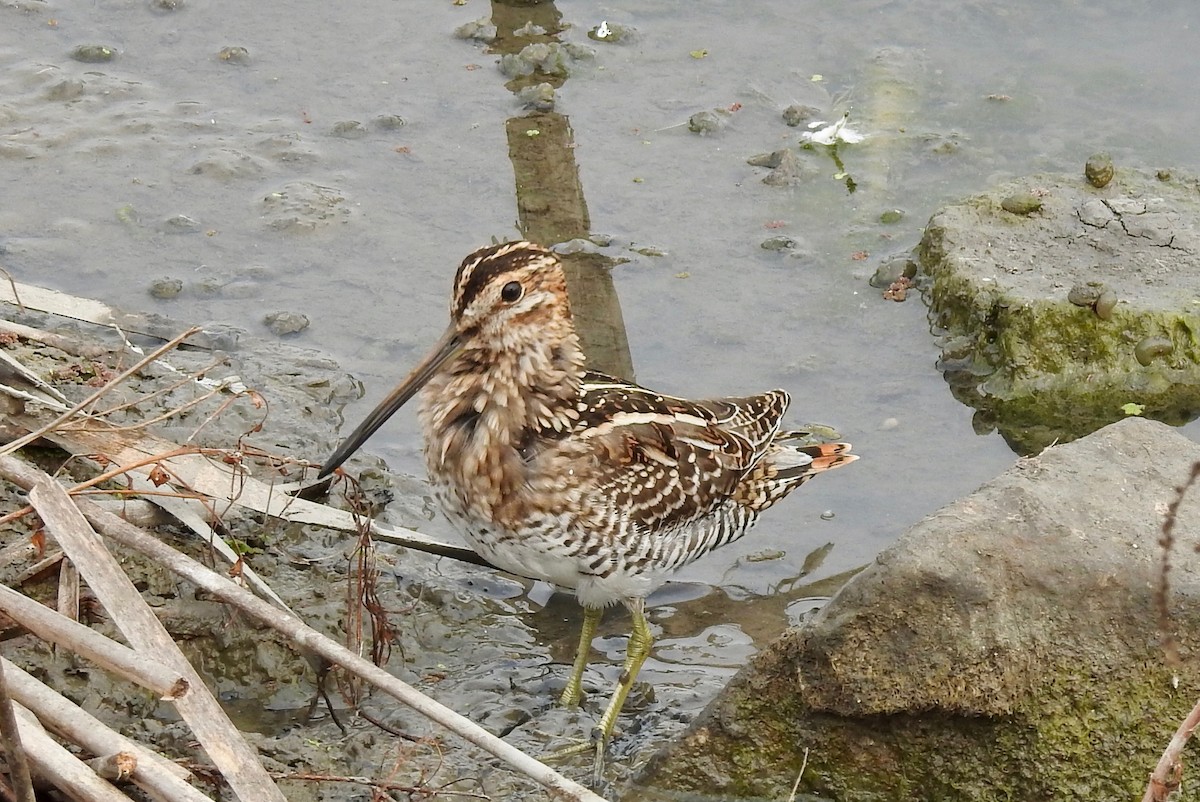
x,y
550,200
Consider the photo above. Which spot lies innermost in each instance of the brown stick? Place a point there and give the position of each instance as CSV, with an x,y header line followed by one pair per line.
x,y
60,767
162,779
121,660
10,735
68,590
1168,774
236,760
138,512
223,589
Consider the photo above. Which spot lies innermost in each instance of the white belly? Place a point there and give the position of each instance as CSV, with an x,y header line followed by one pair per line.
x,y
543,551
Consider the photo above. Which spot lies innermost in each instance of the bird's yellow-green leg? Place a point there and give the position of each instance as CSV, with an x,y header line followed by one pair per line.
x,y
574,690
640,641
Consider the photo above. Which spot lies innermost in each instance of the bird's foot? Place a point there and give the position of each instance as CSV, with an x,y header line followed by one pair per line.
x,y
600,738
597,744
578,746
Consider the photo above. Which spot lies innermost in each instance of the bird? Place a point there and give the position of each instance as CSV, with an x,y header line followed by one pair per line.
x,y
594,484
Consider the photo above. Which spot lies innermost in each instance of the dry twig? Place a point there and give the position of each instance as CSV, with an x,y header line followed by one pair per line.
x,y
222,741
309,639
1168,774
108,654
62,768
14,752
1163,592
161,778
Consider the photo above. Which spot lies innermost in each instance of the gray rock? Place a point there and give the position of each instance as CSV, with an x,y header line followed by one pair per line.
x,y
481,30
1044,369
538,96
348,129
891,269
1003,648
709,121
282,322
797,114
166,288
234,54
789,171
1099,170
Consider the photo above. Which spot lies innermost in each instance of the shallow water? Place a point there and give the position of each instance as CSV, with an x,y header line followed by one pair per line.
x,y
98,159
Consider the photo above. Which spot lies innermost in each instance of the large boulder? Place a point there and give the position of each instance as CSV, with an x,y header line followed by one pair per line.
x,y
1006,647
1076,302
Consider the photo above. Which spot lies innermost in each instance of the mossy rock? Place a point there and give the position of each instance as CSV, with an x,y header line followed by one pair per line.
x,y
1006,288
1006,647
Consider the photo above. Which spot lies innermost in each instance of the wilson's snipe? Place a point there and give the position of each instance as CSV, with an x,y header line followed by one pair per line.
x,y
589,482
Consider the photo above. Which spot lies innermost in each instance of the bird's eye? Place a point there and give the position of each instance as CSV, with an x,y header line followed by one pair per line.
x,y
511,291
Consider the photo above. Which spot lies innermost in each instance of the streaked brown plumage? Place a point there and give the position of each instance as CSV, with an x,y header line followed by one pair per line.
x,y
583,480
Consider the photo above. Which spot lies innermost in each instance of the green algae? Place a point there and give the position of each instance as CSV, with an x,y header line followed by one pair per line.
x,y
1088,737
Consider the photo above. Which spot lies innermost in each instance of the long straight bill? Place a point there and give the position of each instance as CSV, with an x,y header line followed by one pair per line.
x,y
447,347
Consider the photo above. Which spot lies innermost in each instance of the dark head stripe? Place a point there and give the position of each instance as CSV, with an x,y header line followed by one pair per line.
x,y
482,267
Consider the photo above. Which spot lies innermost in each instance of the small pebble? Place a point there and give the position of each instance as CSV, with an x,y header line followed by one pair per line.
x,y
778,243
789,172
1099,169
529,30
796,115
281,323
892,269
1105,304
708,122
67,89
181,224
889,423
1022,203
209,284
539,97
234,55
94,54
1152,347
481,30
389,122
348,129
1086,294
828,515
891,216
165,288
770,160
